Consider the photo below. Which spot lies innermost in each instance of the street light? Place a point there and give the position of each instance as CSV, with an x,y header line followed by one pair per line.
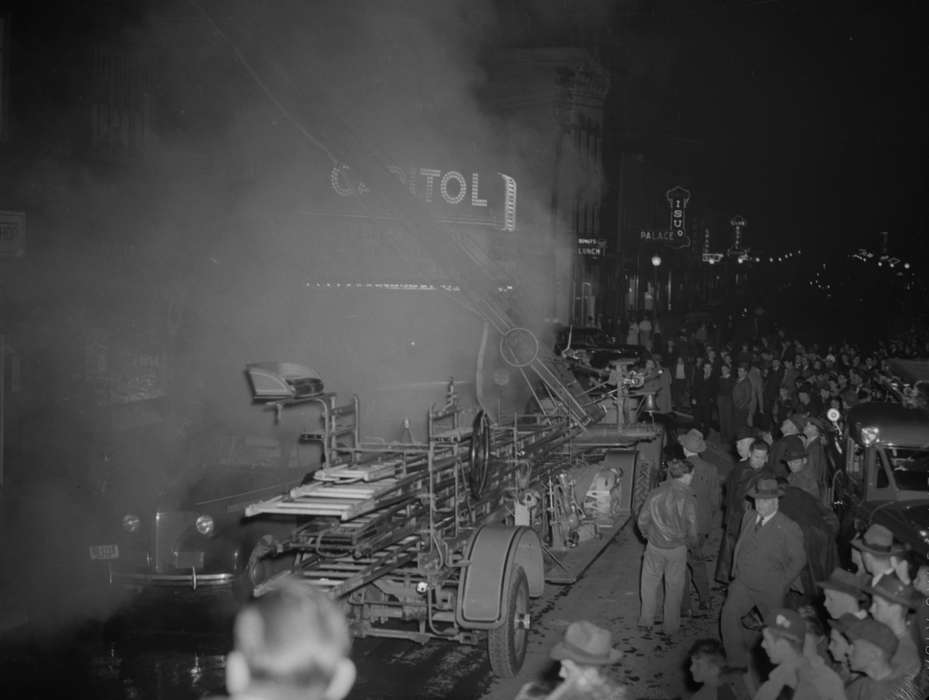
x,y
656,263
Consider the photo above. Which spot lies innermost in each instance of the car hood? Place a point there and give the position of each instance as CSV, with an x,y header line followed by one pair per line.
x,y
908,520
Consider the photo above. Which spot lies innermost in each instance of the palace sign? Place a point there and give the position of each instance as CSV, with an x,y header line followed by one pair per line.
x,y
664,236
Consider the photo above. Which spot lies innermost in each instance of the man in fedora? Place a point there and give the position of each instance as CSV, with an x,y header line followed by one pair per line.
x,y
891,602
809,677
800,474
741,478
769,556
879,553
813,433
873,644
583,651
586,644
706,493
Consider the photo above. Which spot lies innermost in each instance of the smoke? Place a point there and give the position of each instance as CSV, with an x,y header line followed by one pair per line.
x,y
368,85
230,241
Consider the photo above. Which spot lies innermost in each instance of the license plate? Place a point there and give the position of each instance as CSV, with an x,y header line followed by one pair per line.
x,y
104,551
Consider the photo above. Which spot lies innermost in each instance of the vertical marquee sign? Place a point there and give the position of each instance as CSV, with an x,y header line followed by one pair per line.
x,y
678,197
737,222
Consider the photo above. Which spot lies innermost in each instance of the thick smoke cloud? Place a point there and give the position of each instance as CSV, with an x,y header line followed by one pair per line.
x,y
361,83
225,243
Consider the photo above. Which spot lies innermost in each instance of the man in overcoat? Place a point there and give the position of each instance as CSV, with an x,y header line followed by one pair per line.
x,y
707,495
768,557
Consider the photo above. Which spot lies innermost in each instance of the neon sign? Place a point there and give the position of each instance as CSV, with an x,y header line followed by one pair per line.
x,y
451,187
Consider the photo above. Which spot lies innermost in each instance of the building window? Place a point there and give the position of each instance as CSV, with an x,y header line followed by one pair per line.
x,y
119,105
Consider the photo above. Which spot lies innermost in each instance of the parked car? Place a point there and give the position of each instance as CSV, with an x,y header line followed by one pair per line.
x,y
192,536
590,350
884,477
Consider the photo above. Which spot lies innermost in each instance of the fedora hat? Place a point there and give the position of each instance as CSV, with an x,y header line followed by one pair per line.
x,y
693,441
585,643
799,420
877,633
891,588
794,448
844,582
766,488
878,540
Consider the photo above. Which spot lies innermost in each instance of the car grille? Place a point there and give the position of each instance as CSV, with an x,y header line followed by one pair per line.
x,y
168,527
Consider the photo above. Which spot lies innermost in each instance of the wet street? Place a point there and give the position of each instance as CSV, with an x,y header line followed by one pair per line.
x,y
157,658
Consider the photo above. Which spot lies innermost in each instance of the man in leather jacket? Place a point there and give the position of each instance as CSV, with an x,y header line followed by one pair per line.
x,y
668,520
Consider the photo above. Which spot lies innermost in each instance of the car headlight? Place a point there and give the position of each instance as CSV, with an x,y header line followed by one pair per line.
x,y
131,522
869,435
205,525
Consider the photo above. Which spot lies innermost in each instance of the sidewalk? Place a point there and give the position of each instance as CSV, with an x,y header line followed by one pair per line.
x,y
652,667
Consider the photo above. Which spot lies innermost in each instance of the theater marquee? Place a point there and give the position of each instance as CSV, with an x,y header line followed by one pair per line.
x,y
477,198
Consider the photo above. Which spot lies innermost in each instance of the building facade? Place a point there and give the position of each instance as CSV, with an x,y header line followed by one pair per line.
x,y
552,100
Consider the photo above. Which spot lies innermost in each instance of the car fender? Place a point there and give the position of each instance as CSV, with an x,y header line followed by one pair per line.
x,y
492,555
232,546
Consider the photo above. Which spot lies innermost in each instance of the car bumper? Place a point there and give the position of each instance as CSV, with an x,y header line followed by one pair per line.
x,y
192,580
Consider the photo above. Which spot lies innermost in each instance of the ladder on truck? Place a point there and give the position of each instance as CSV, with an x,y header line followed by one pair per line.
x,y
340,426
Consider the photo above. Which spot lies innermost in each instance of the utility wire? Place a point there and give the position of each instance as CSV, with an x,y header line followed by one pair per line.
x,y
269,93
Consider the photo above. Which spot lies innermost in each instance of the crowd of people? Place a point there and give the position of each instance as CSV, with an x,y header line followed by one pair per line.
x,y
826,632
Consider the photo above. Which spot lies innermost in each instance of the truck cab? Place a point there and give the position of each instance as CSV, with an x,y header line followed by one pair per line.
x,y
885,476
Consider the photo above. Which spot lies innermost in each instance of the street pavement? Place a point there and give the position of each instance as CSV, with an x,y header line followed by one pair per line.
x,y
653,666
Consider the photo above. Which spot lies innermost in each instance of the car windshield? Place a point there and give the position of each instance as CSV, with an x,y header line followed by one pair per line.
x,y
910,467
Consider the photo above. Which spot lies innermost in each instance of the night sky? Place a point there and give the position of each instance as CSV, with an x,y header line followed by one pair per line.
x,y
813,117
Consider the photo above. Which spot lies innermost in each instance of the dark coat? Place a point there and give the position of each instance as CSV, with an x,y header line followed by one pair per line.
x,y
776,458
741,478
820,527
771,558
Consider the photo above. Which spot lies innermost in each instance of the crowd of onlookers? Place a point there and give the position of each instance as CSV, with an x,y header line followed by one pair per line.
x,y
825,631
761,380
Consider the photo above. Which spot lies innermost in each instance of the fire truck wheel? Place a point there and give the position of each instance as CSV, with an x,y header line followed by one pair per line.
x,y
506,645
479,454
